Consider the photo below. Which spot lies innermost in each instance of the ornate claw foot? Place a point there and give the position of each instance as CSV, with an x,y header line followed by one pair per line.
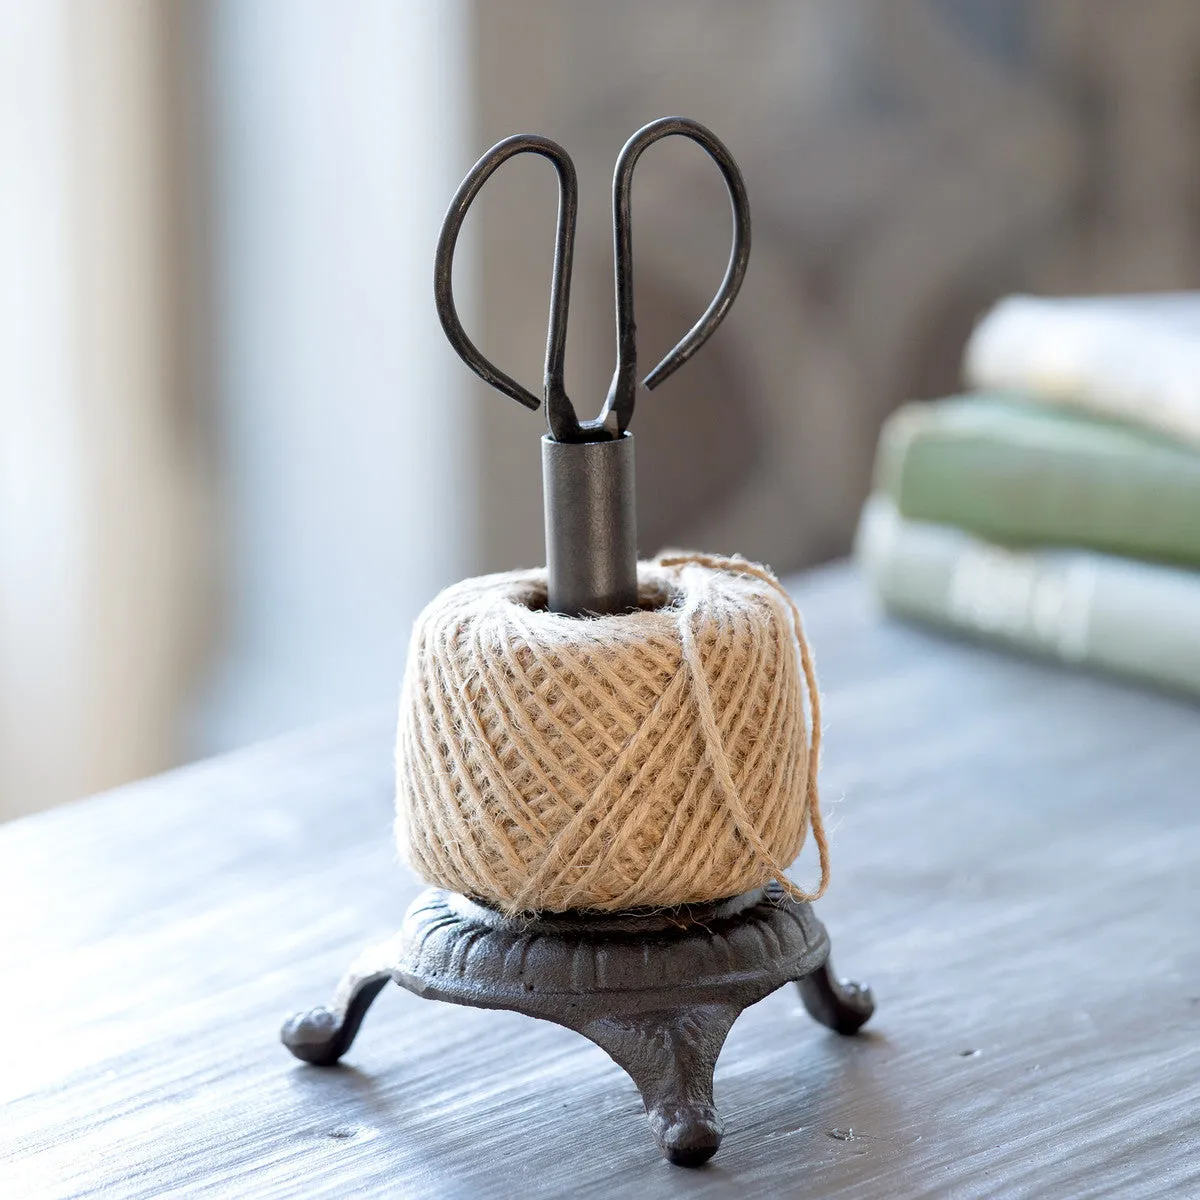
x,y
838,1004
656,990
322,1035
671,1056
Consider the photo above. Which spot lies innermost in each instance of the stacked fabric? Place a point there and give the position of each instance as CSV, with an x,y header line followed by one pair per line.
x,y
1055,508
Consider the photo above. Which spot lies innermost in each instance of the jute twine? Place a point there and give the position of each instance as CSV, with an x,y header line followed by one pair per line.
x,y
655,758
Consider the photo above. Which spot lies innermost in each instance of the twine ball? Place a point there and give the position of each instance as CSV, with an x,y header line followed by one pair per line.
x,y
655,758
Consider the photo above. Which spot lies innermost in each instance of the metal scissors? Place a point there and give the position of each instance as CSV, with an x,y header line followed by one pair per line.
x,y
615,416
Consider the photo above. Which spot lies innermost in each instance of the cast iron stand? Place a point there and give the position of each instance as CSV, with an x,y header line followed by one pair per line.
x,y
656,990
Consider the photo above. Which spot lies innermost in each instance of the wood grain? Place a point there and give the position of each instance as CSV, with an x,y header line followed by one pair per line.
x,y
1016,871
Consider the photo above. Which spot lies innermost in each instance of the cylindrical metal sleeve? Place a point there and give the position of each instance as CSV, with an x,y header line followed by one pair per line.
x,y
591,525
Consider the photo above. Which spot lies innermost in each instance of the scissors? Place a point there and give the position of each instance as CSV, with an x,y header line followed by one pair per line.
x,y
614,417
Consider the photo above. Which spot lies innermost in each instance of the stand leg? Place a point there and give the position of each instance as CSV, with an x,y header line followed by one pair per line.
x,y
322,1035
839,1004
671,1057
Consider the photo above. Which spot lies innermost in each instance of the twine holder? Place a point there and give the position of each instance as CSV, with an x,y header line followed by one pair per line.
x,y
532,774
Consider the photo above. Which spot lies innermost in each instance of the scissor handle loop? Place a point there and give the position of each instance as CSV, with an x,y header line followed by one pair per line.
x,y
624,384
560,282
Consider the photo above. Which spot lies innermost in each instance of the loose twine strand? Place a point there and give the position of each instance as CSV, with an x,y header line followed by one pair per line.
x,y
713,741
546,762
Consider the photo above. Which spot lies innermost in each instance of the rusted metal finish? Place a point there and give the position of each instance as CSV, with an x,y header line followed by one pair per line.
x,y
656,990
614,418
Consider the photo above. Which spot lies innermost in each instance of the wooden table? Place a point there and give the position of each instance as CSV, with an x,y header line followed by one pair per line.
x,y
1016,871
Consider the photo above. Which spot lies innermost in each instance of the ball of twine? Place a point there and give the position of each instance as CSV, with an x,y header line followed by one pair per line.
x,y
655,758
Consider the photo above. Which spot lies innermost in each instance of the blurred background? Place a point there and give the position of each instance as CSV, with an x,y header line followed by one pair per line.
x,y
237,456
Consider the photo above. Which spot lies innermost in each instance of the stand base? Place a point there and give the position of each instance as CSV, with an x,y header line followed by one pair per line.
x,y
657,991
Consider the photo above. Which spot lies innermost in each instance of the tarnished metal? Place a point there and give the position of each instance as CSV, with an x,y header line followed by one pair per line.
x,y
657,990
591,523
591,526
614,418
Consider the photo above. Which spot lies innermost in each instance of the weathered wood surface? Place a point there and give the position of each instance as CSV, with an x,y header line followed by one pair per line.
x,y
1016,871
